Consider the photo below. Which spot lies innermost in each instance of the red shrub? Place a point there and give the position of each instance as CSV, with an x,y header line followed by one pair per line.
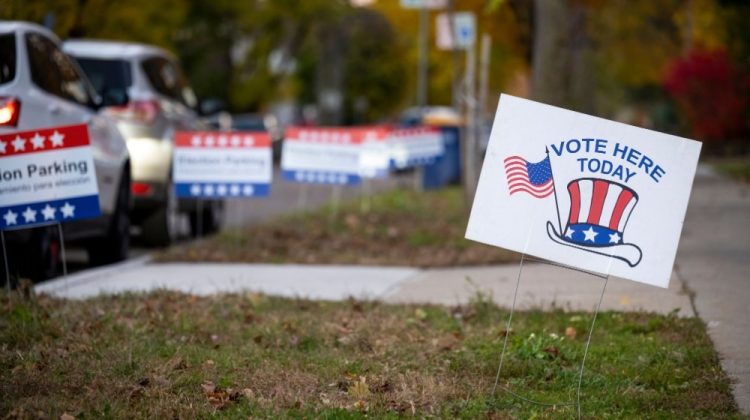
x,y
709,90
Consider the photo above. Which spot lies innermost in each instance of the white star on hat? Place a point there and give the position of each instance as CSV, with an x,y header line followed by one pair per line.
x,y
10,218
3,145
29,215
48,212
57,139
569,233
67,210
19,144
614,238
590,234
37,141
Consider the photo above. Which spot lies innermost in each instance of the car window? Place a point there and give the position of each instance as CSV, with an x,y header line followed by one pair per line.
x,y
167,79
111,75
7,58
55,72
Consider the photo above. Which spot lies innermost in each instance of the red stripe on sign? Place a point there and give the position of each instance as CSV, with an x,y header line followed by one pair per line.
x,y
597,201
335,135
44,140
575,202
622,201
222,139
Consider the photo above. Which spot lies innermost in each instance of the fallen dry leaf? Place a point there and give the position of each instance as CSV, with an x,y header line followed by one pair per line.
x,y
248,393
66,416
571,333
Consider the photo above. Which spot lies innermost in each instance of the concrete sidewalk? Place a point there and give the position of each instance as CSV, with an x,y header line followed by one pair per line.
x,y
542,286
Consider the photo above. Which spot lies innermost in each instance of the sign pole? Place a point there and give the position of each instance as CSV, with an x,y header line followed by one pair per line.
x,y
335,201
199,222
62,249
302,196
6,262
422,65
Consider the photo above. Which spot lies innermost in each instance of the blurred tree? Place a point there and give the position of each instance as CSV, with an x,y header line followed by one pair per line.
x,y
712,93
136,20
375,69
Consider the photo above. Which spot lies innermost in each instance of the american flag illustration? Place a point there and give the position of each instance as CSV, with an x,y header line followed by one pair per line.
x,y
531,178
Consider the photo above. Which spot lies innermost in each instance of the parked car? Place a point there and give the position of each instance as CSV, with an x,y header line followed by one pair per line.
x,y
40,86
161,102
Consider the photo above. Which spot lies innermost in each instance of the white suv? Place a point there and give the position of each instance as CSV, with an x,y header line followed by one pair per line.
x,y
40,86
161,102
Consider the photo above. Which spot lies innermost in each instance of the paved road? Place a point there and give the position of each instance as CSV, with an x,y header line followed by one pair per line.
x,y
714,263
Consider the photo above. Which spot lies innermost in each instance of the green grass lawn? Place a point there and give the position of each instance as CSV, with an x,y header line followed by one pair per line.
x,y
400,227
738,169
167,355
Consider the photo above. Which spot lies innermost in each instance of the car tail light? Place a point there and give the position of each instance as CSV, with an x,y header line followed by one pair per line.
x,y
144,111
10,109
141,189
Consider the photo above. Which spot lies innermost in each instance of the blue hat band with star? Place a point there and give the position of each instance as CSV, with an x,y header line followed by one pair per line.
x,y
586,234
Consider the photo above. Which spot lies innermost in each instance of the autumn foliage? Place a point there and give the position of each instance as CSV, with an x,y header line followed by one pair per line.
x,y
709,89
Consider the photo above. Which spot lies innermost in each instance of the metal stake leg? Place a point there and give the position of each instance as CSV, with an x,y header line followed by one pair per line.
x,y
6,262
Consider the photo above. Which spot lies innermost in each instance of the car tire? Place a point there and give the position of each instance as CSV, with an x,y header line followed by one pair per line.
x,y
115,245
210,218
40,258
161,227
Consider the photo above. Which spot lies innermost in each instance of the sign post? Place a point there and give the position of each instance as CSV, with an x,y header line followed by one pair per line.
x,y
424,6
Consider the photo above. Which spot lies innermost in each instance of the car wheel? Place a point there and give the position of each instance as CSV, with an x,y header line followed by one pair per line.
x,y
161,228
210,218
40,258
115,245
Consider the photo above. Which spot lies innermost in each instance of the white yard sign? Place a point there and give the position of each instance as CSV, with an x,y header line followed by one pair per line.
x,y
47,176
583,191
222,164
322,155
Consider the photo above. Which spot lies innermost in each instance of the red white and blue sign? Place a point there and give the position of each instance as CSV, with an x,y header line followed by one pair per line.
x,y
217,165
417,146
375,157
47,176
583,191
323,155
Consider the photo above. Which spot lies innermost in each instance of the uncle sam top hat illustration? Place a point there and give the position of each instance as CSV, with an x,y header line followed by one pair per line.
x,y
599,212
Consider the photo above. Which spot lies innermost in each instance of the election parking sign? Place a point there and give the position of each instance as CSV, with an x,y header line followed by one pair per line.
x,y
415,146
217,165
322,155
47,176
375,157
583,191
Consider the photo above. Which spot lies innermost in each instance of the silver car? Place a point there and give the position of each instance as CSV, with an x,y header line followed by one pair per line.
x,y
40,86
161,102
